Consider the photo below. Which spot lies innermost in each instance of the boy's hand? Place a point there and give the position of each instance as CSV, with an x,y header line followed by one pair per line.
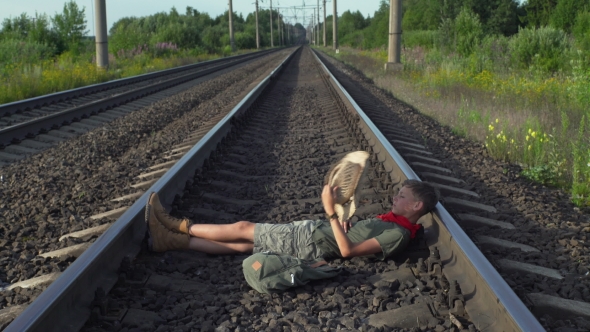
x,y
329,195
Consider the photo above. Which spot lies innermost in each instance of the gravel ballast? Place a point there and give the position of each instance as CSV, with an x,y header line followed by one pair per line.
x,y
55,192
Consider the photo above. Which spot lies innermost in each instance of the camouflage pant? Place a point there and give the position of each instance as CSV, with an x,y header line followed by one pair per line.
x,y
293,239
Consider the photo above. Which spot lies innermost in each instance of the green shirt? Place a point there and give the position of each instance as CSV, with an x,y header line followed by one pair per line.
x,y
392,237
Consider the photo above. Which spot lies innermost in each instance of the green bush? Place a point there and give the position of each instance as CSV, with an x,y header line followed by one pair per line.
x,y
468,31
16,51
495,53
126,37
427,39
447,35
581,31
355,39
542,48
244,40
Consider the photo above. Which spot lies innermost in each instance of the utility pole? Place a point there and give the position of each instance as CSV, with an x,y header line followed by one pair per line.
x,y
101,38
318,29
272,44
231,27
315,42
257,33
281,41
335,28
324,23
395,32
279,25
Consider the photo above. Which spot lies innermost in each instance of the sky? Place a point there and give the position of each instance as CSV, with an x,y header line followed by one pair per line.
x,y
126,8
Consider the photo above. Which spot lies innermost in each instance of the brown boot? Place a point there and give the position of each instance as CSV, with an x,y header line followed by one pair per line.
x,y
174,224
161,238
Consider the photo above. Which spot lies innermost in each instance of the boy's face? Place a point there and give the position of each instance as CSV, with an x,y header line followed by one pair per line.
x,y
404,203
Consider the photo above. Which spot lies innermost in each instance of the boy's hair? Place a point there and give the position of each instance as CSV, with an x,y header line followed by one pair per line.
x,y
423,192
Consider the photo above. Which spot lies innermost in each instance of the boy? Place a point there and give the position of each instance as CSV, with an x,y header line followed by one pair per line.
x,y
382,236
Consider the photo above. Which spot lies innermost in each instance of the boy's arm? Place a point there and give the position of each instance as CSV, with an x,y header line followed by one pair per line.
x,y
347,247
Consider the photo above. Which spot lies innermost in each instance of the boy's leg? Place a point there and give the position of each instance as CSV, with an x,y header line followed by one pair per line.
x,y
169,233
220,248
241,231
237,232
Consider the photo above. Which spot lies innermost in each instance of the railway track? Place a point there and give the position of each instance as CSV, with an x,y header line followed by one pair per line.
x,y
106,163
33,125
264,162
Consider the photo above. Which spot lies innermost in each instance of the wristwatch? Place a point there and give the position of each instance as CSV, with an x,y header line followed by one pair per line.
x,y
334,216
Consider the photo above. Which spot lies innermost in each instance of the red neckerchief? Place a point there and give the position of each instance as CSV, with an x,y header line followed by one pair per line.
x,y
402,221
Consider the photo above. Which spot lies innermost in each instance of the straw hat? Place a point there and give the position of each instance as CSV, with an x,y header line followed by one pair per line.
x,y
345,175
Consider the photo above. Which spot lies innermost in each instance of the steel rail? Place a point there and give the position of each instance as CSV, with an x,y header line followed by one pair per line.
x,y
487,307
65,304
30,128
35,102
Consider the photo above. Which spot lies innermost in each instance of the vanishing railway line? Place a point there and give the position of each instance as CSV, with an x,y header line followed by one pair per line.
x,y
35,124
264,161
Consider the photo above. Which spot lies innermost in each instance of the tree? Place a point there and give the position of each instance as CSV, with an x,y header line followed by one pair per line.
x,y
40,31
350,26
70,26
377,33
503,18
16,28
449,9
581,31
349,22
468,31
538,12
564,15
421,15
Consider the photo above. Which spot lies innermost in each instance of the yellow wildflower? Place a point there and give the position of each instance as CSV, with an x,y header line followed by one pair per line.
x,y
534,134
529,148
527,137
497,120
491,128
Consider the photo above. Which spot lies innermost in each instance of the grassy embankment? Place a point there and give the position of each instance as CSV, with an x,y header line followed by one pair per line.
x,y
530,117
27,80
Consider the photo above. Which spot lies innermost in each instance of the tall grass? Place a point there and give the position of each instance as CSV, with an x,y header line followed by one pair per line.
x,y
30,78
533,117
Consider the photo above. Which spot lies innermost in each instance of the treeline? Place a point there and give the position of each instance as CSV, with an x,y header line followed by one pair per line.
x,y
200,32
28,39
535,31
496,17
543,33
